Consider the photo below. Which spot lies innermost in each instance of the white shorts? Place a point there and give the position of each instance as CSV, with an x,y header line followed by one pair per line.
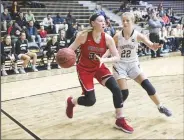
x,y
124,70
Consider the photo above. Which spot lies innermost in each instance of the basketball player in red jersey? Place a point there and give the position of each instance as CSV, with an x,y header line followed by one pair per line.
x,y
93,44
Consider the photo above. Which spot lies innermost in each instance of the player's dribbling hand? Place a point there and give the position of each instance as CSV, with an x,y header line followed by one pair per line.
x,y
155,46
100,59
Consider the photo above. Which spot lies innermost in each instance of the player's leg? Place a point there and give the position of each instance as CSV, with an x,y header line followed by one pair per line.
x,y
120,75
88,98
136,74
103,75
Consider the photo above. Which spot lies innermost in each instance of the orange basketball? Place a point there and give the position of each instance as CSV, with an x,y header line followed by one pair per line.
x,y
66,58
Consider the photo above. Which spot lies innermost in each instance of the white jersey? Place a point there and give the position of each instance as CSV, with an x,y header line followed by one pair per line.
x,y
128,48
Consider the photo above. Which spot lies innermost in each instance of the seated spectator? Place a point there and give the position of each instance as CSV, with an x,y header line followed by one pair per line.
x,y
50,50
7,53
161,12
72,29
70,19
15,32
48,24
160,19
163,39
43,34
60,23
178,36
29,16
5,19
32,34
62,40
10,27
109,28
21,21
166,20
21,49
14,10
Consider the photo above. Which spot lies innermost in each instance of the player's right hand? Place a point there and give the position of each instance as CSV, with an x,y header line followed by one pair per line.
x,y
100,59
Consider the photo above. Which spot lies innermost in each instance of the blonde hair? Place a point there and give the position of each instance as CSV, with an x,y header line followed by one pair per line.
x,y
88,29
130,15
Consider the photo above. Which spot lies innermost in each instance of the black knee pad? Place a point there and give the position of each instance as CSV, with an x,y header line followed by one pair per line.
x,y
88,100
148,87
125,94
112,85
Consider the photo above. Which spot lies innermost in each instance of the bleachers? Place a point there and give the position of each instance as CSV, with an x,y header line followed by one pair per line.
x,y
178,6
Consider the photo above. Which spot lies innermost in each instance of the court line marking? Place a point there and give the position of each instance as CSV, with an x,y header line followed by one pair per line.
x,y
19,124
75,87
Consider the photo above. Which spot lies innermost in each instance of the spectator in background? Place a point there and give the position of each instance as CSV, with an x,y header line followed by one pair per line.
x,y
5,19
160,6
154,29
43,34
62,40
72,29
160,19
29,16
21,49
50,50
70,20
163,38
109,28
21,21
161,12
10,27
7,53
166,20
15,10
178,36
15,32
170,38
60,23
48,24
100,10
32,34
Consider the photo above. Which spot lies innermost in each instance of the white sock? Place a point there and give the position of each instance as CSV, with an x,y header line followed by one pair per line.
x,y
159,105
119,113
74,101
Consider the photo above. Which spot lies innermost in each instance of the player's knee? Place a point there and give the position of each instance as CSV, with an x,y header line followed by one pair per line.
x,y
125,94
148,87
112,85
88,100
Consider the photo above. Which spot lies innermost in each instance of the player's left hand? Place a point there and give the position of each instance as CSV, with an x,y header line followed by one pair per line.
x,y
100,59
155,46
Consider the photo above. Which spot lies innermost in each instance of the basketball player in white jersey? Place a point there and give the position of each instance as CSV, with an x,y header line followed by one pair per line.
x,y
128,66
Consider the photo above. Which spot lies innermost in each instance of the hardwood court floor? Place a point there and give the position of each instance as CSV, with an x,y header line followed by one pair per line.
x,y
42,109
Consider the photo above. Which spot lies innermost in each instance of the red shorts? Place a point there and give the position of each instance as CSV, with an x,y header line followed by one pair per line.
x,y
86,77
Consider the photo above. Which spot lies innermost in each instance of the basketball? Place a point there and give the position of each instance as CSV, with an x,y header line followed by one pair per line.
x,y
66,58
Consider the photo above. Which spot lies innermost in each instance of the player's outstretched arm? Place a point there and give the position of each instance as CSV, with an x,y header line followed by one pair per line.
x,y
147,42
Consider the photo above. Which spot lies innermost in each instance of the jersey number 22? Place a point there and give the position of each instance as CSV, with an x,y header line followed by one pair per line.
x,y
125,53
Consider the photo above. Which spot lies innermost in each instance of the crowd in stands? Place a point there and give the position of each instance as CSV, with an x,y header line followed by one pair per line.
x,y
23,33
163,25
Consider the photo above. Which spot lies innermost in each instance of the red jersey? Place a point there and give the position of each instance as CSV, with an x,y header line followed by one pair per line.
x,y
43,34
87,59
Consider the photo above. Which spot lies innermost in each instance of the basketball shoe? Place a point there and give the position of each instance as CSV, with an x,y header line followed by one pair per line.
x,y
165,111
69,107
121,124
